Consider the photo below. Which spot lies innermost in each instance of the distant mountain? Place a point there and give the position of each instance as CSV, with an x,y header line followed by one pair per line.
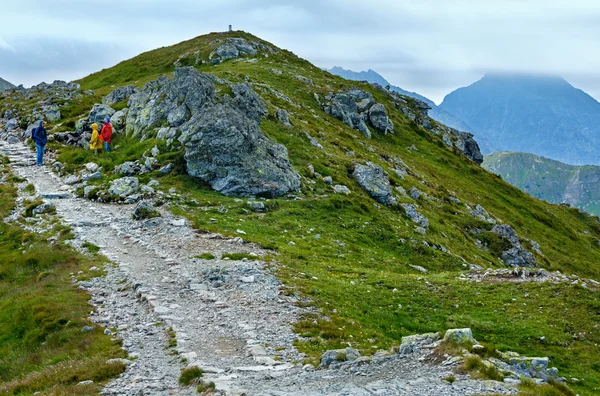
x,y
543,115
4,85
436,112
548,179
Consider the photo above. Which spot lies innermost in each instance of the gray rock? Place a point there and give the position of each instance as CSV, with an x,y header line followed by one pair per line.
x,y
460,336
415,216
356,107
380,120
167,169
257,206
412,343
124,186
52,113
480,213
516,255
119,119
178,115
144,210
119,95
99,112
372,179
328,180
223,143
341,189
47,207
414,193
71,179
418,268
92,176
338,355
313,140
284,117
127,168
87,329
91,166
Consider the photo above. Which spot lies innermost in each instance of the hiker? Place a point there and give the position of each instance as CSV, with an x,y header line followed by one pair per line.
x,y
106,134
40,137
95,142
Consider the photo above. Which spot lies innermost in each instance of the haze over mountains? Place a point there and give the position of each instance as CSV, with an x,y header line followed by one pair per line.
x,y
4,85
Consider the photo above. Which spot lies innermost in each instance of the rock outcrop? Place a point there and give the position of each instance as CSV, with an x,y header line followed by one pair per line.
x,y
358,109
516,255
235,47
224,145
119,95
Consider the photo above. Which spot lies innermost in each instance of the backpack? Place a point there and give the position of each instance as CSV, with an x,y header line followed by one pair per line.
x,y
33,133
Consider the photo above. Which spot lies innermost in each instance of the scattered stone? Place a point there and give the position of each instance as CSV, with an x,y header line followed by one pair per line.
x,y
338,355
124,186
341,189
418,268
284,117
328,180
257,206
412,343
372,179
415,216
167,169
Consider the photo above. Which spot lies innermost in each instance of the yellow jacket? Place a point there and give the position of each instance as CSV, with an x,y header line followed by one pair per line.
x,y
96,142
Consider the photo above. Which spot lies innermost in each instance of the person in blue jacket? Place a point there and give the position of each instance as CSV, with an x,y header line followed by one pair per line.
x,y
40,137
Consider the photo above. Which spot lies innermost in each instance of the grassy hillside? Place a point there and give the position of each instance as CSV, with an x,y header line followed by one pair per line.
x,y
42,347
548,179
352,256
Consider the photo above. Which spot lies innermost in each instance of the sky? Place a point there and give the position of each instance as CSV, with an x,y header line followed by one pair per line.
x,y
428,46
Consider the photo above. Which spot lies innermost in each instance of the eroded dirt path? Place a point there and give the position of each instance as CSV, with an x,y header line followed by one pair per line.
x,y
229,316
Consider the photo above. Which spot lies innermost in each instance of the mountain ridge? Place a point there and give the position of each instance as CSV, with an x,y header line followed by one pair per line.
x,y
549,179
543,115
435,112
4,85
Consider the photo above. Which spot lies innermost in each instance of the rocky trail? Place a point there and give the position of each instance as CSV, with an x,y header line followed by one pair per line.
x,y
228,316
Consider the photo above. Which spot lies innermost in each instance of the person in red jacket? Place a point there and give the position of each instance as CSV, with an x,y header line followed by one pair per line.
x,y
106,134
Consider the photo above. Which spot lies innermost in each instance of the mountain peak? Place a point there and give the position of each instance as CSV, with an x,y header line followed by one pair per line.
x,y
4,85
537,113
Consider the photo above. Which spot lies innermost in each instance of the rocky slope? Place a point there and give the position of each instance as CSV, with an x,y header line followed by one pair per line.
x,y
370,213
549,180
542,115
434,112
4,85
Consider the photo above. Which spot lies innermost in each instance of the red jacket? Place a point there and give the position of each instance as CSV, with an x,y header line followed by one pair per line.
x,y
106,133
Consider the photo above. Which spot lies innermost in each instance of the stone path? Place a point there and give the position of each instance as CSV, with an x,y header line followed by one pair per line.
x,y
228,316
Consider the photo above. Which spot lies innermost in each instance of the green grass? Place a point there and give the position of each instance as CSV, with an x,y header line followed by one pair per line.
x,y
528,388
91,247
205,256
357,270
42,313
237,256
478,369
190,376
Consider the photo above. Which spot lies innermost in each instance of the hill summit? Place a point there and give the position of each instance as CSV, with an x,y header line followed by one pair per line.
x,y
543,115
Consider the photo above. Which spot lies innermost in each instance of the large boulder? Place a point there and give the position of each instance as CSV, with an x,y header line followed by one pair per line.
x,y
99,112
119,95
223,143
234,47
372,179
460,336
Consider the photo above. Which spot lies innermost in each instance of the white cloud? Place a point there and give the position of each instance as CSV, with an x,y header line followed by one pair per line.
x,y
429,46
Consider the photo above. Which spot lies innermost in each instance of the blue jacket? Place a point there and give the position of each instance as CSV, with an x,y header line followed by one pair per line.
x,y
40,136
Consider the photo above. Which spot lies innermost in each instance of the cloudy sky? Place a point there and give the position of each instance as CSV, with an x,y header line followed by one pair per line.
x,y
428,46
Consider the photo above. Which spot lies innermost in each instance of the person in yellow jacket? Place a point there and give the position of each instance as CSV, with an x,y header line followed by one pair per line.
x,y
96,142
